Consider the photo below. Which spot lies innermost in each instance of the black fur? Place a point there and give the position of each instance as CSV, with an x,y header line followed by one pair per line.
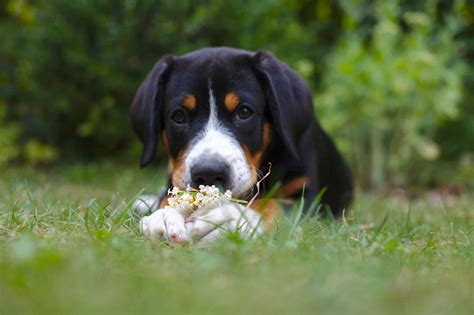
x,y
274,92
146,113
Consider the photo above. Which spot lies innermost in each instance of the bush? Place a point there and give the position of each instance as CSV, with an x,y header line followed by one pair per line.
x,y
386,97
8,138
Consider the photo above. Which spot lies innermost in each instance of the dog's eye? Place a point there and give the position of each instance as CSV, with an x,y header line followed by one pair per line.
x,y
178,116
244,112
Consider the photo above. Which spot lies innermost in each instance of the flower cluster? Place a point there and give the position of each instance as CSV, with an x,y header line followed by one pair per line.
x,y
189,200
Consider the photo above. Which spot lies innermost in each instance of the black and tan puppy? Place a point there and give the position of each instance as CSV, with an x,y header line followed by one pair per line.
x,y
223,115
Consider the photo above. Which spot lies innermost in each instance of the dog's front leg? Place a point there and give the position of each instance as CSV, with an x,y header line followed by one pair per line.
x,y
208,225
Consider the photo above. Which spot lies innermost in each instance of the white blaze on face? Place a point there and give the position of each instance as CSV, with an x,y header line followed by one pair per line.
x,y
217,142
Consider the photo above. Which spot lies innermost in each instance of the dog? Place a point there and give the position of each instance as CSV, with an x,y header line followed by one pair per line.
x,y
225,116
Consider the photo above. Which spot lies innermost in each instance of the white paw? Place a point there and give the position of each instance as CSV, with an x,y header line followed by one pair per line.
x,y
209,225
167,224
145,204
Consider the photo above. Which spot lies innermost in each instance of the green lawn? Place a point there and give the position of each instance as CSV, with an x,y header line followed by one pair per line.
x,y
70,245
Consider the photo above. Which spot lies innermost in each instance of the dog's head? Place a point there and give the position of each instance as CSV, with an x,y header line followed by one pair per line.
x,y
215,111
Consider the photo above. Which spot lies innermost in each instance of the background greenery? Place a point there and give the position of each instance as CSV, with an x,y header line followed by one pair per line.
x,y
393,80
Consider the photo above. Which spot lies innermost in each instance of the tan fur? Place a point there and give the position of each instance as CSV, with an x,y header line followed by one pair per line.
x,y
189,102
254,160
164,140
163,202
177,168
231,101
293,186
269,209
267,133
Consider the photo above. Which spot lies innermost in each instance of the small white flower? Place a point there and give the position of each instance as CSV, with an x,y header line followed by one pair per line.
x,y
173,191
189,200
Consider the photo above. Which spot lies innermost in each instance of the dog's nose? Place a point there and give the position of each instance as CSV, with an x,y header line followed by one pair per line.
x,y
210,172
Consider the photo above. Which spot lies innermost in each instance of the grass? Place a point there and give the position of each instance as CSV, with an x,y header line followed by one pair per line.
x,y
69,244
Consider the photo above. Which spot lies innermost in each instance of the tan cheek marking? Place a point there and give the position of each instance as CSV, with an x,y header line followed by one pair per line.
x,y
163,202
270,210
164,140
267,134
293,186
177,168
231,101
189,102
254,160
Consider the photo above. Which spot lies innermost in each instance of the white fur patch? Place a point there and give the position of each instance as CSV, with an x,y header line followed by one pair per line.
x,y
214,141
209,225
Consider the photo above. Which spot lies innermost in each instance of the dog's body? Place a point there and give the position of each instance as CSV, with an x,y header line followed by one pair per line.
x,y
223,116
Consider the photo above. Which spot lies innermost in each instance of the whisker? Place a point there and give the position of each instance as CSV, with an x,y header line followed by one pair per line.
x,y
259,173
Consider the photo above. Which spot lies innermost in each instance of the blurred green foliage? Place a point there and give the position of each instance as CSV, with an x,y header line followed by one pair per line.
x,y
8,138
392,79
386,98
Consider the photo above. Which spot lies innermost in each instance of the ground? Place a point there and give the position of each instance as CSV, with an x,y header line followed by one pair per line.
x,y
69,244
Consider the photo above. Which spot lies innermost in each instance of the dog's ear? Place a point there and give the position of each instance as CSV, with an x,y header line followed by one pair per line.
x,y
146,109
288,97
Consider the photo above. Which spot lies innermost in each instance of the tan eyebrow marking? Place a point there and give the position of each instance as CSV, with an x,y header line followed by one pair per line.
x,y
189,102
231,101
